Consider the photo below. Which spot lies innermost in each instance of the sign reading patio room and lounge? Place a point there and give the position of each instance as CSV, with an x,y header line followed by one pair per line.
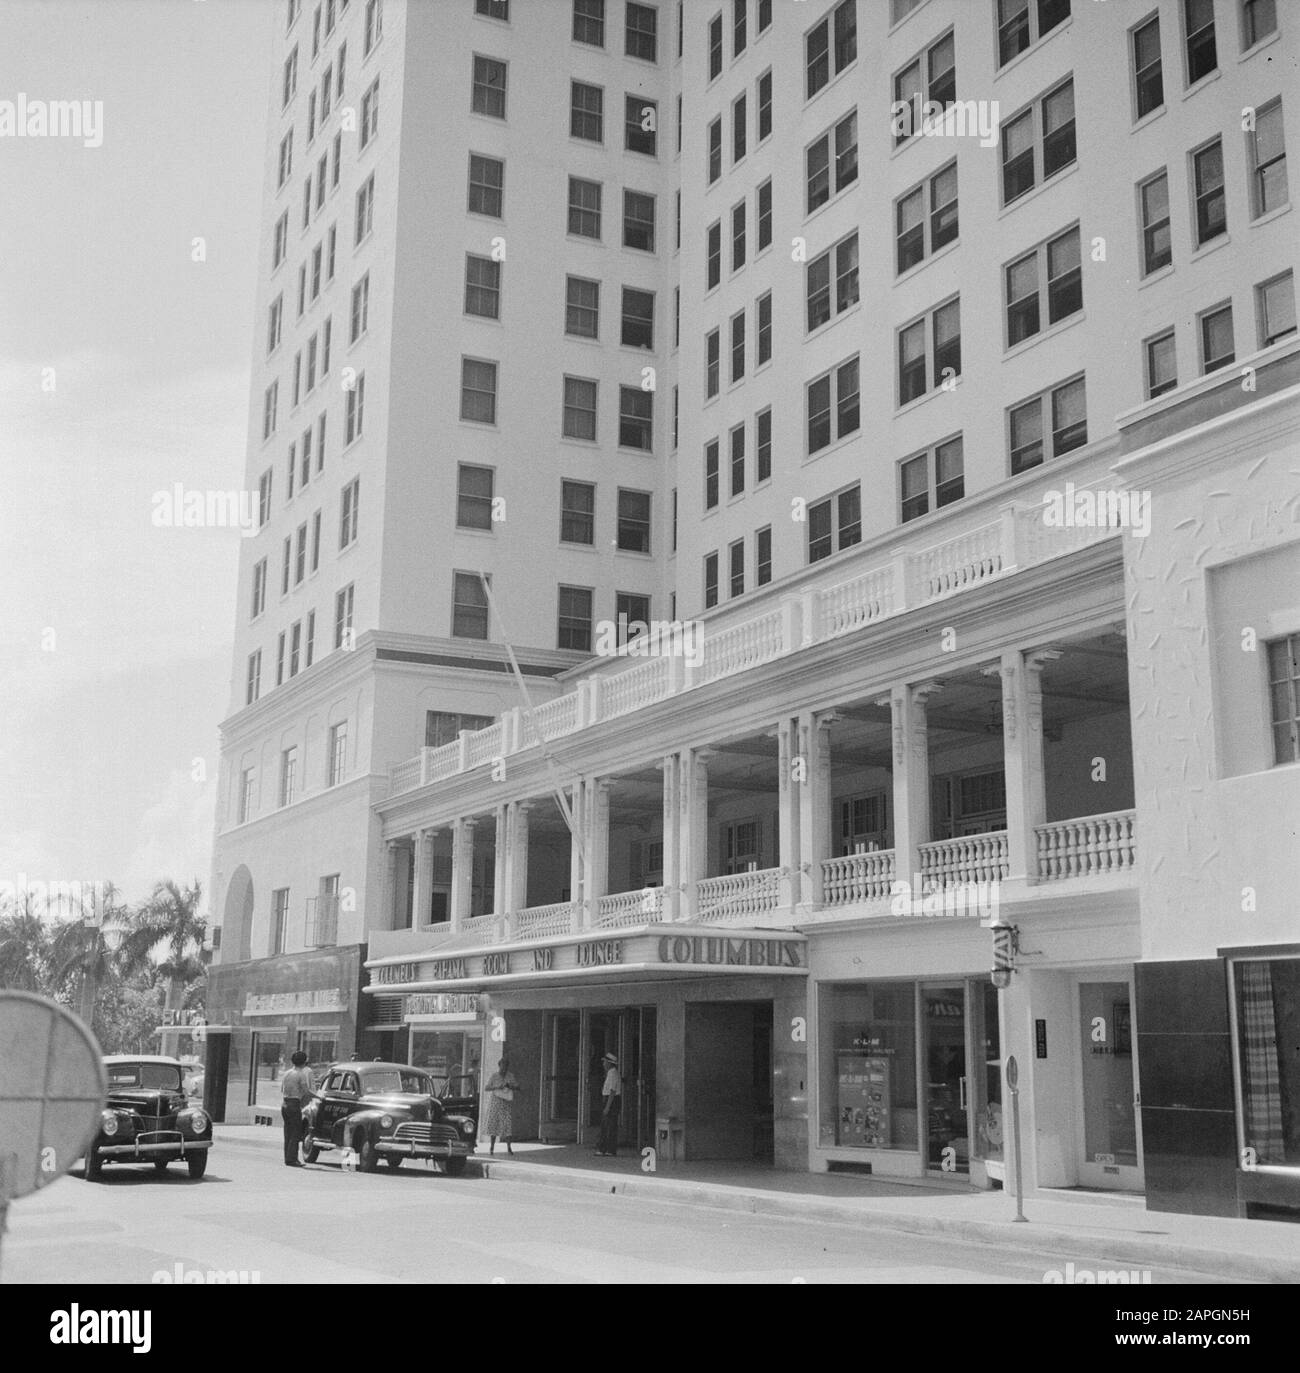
x,y
687,949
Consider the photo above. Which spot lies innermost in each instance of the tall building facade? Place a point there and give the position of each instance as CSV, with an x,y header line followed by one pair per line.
x,y
872,424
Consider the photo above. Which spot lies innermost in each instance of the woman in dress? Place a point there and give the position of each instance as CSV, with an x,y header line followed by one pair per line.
x,y
501,1089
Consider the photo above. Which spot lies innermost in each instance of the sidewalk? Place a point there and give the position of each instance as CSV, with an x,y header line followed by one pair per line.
x,y
1063,1225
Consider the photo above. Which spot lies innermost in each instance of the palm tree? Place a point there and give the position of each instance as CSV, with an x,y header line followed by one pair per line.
x,y
88,952
168,922
24,948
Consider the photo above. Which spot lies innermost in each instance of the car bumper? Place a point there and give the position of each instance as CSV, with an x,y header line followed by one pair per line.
x,y
405,1148
149,1152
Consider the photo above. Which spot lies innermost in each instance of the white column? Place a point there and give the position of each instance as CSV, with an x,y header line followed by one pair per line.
x,y
670,767
578,851
694,824
517,859
423,888
598,854
814,801
790,764
1021,675
462,870
388,906
500,873
911,779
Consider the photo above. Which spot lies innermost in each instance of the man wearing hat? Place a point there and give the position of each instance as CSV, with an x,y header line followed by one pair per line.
x,y
612,1092
297,1090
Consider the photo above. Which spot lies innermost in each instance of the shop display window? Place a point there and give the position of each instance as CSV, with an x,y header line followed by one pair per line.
x,y
868,1089
1267,992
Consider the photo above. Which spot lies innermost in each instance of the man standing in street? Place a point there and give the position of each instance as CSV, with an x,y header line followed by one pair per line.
x,y
297,1090
612,1092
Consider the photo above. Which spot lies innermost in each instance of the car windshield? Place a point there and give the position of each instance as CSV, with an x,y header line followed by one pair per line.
x,y
384,1080
149,1075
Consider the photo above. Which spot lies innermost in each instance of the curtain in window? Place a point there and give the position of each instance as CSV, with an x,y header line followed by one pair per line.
x,y
1261,1088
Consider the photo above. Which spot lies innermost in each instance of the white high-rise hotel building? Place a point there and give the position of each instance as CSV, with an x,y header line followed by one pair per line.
x,y
961,446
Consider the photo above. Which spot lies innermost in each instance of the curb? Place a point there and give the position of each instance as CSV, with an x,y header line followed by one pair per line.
x,y
1032,1238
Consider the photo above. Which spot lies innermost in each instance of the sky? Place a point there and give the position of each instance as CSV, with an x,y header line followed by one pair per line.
x,y
124,369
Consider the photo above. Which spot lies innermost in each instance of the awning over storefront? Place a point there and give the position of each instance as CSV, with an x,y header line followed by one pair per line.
x,y
638,953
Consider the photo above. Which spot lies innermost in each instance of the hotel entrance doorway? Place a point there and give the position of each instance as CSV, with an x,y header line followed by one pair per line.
x,y
572,1073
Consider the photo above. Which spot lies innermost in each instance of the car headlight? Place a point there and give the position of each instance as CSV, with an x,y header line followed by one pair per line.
x,y
385,1122
467,1126
198,1122
108,1122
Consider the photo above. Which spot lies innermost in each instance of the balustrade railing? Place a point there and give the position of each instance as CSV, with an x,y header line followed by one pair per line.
x,y
634,688
738,895
970,858
959,563
1086,846
850,605
644,907
742,646
534,921
857,877
484,927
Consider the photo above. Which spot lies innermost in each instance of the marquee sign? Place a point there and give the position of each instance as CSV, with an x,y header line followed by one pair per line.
x,y
687,949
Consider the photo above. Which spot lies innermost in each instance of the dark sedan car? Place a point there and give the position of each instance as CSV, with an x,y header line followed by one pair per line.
x,y
385,1110
148,1118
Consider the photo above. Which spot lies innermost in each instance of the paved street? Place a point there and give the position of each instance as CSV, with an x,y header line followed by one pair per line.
x,y
322,1224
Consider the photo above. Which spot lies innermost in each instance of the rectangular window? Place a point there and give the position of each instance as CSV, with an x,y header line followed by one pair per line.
x,y
280,245
589,22
765,105
482,287
715,150
736,568
831,162
634,521
739,127
712,363
763,445
274,321
763,333
739,26
365,210
295,648
488,87
487,176
1148,69
493,9
641,32
712,478
374,24
710,580
632,614
286,160
763,556
830,46
1045,285
1267,1009
315,540
369,118
764,15
469,607
279,919
478,391
1161,364
584,207
581,307
638,319
1284,697
474,497
1210,201
930,480
738,235
252,687
925,219
320,443
713,255
1258,20
1268,188
640,125
1068,413
586,112
715,46
1157,245
833,405
264,498
1023,22
270,403
259,589
288,777
343,635
834,524
825,297
738,460
574,623
355,410
360,314
635,418
1275,309
348,513
1038,143
338,753
944,350
928,81
764,215
577,512
638,221
1216,338
1198,36
579,409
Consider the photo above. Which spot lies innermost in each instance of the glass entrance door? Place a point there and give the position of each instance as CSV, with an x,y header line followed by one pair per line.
x,y
943,1058
986,1099
560,1075
1107,1121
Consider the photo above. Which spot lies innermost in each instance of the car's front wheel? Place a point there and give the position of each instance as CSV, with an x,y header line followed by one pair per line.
x,y
455,1166
94,1166
367,1155
310,1153
197,1163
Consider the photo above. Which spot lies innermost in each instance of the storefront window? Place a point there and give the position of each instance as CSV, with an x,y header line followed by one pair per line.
x,y
868,1096
322,1049
1268,1028
268,1065
447,1054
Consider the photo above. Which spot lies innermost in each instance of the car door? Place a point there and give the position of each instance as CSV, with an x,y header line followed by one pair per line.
x,y
344,1100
